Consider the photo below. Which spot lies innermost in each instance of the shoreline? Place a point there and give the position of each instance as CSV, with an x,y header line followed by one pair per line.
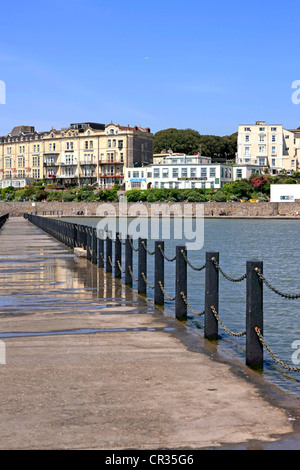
x,y
209,210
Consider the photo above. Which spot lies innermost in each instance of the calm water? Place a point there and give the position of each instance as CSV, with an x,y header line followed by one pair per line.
x,y
275,242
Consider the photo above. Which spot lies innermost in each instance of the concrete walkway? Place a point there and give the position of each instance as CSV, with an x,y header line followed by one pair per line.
x,y
92,365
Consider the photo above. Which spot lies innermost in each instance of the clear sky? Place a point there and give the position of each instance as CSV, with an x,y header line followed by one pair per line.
x,y
194,64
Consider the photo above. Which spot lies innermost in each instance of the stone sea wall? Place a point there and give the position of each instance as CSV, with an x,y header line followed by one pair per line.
x,y
211,209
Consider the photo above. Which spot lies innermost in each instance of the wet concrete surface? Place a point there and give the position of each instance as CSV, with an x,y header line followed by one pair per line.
x,y
90,364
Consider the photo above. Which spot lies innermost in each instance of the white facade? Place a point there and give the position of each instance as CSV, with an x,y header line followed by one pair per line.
x,y
16,183
284,192
267,145
166,158
245,171
179,175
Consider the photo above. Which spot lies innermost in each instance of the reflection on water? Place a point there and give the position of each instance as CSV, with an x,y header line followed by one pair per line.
x,y
275,242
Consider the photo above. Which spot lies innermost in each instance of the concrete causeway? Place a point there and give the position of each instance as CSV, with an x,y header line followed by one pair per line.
x,y
90,364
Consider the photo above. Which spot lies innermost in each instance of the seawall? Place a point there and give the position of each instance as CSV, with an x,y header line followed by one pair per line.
x,y
211,209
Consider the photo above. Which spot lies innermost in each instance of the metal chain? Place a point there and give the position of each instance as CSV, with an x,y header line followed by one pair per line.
x,y
101,254
120,267
190,264
239,279
131,274
286,366
222,324
122,243
188,305
164,255
131,243
146,281
164,292
110,262
146,249
287,296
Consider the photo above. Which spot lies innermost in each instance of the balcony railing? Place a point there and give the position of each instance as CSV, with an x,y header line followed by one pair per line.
x,y
88,162
50,164
74,175
111,175
107,162
74,162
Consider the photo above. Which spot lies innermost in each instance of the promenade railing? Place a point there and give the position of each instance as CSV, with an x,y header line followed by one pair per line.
x,y
3,219
99,250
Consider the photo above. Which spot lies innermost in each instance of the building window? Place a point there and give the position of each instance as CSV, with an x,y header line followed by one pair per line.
x,y
135,174
274,138
175,172
184,172
247,138
212,172
273,129
239,173
273,150
203,172
247,151
156,173
193,172
273,161
261,149
165,172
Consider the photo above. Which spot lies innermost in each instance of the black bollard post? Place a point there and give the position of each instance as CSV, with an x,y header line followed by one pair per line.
x,y
100,249
142,267
128,261
94,252
75,228
88,243
118,256
181,284
108,260
211,296
254,315
159,274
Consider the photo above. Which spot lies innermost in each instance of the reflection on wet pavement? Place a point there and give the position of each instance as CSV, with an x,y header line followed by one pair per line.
x,y
44,283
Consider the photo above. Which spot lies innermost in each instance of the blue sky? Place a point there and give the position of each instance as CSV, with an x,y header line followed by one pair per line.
x,y
159,64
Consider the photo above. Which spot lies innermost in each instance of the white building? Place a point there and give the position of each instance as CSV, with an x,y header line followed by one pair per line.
x,y
268,145
179,174
284,192
16,183
245,171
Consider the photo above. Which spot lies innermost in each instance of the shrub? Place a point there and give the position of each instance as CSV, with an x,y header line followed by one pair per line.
x,y
196,197
67,196
220,196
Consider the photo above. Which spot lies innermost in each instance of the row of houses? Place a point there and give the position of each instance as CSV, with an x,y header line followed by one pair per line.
x,y
83,153
106,154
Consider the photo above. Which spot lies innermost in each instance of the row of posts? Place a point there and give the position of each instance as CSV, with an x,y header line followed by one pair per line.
x,y
100,252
